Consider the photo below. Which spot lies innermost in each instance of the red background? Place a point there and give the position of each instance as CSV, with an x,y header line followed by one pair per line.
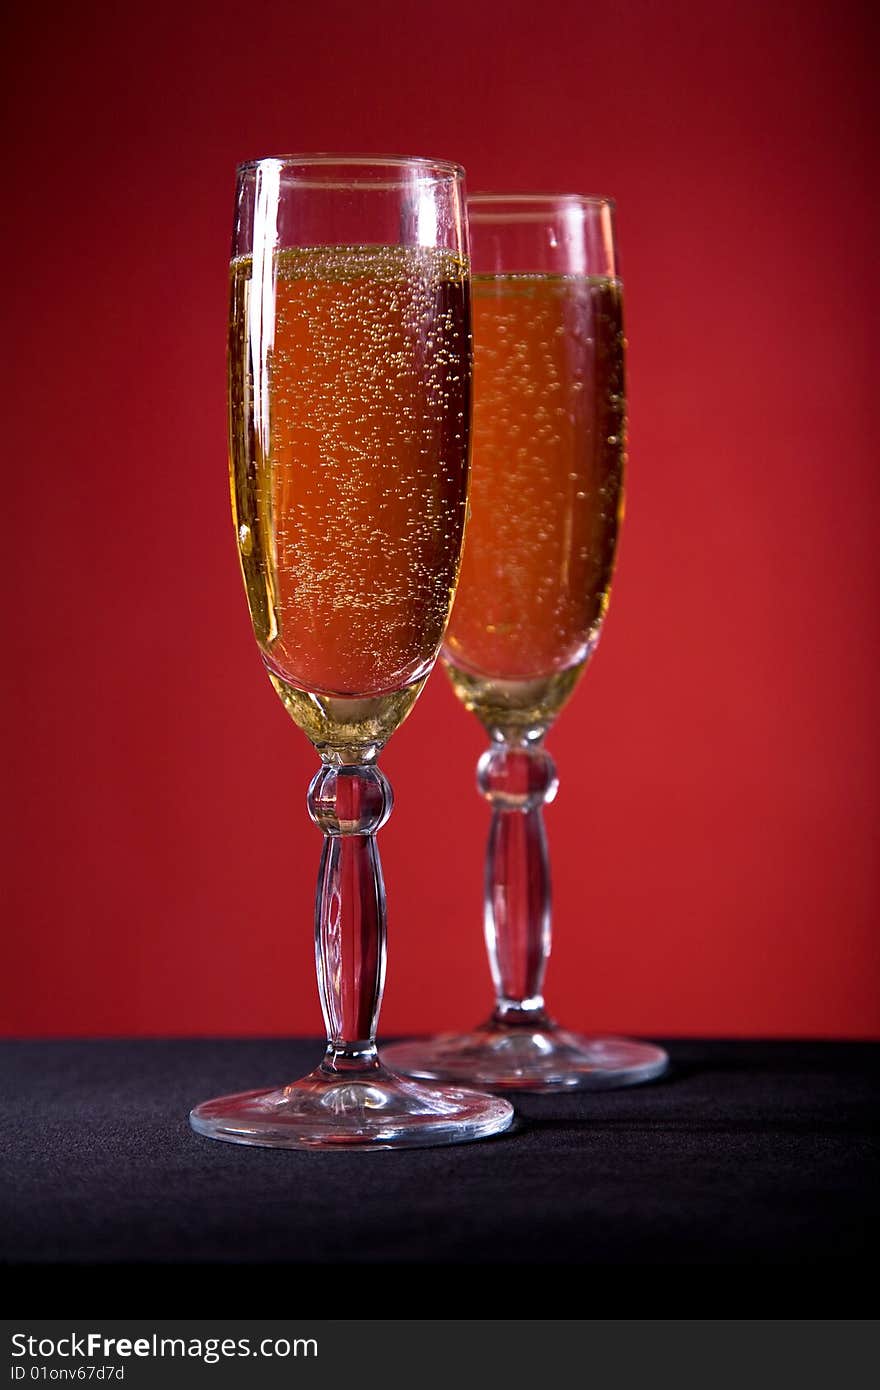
x,y
714,837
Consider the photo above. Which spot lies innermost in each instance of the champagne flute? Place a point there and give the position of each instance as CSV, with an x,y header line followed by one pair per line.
x,y
349,384
546,500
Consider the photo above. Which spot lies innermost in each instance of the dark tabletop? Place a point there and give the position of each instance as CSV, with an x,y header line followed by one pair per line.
x,y
747,1153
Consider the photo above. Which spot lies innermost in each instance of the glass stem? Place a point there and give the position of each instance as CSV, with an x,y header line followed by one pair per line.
x,y
350,803
517,779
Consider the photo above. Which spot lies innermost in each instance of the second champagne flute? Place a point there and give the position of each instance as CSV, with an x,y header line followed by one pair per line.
x,y
546,499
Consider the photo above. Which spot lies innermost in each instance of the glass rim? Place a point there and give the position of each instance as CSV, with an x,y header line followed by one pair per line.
x,y
323,159
534,200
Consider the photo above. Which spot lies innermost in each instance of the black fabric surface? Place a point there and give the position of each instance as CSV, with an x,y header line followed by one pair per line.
x,y
747,1152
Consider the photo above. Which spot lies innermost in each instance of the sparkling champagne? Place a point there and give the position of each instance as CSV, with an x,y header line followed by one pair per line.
x,y
546,493
349,381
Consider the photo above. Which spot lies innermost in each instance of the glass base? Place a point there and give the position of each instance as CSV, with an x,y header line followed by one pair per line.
x,y
529,1057
335,1110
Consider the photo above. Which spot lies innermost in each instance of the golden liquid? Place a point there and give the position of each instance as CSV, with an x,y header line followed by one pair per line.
x,y
546,493
349,379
